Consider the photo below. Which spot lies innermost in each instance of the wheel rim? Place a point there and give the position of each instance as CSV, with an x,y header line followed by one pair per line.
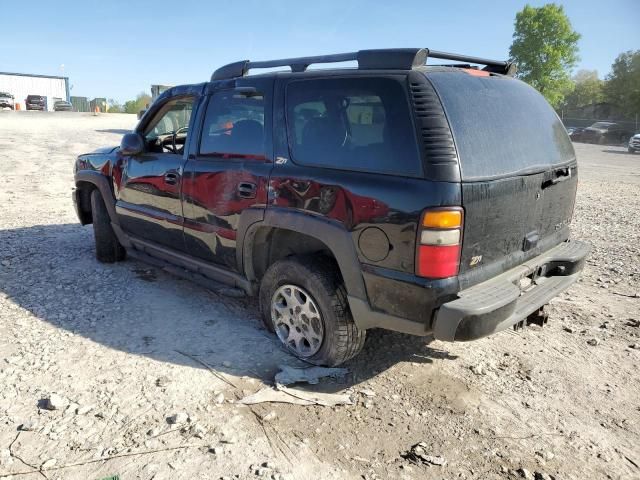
x,y
297,320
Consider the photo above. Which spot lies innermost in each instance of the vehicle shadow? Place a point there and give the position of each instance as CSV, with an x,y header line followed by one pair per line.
x,y
119,131
623,152
51,271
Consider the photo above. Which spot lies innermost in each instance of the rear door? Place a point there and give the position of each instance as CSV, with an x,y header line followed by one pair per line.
x,y
517,166
226,176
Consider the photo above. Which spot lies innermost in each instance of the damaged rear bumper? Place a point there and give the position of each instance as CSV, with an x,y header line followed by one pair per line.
x,y
500,303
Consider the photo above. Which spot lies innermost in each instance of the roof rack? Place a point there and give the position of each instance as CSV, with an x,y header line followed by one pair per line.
x,y
390,58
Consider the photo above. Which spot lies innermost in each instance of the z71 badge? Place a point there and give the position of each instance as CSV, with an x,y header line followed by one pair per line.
x,y
475,260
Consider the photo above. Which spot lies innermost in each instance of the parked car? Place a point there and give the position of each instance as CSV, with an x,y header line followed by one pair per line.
x,y
604,133
7,100
35,102
395,195
634,144
575,133
62,106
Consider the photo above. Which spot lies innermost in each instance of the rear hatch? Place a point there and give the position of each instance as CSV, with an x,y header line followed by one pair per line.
x,y
517,167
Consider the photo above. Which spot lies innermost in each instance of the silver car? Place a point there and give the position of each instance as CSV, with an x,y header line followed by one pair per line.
x,y
7,100
634,144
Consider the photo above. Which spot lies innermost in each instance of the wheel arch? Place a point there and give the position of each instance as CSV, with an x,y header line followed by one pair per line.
x,y
86,181
282,233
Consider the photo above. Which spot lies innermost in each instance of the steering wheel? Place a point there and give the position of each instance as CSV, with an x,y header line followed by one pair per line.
x,y
173,148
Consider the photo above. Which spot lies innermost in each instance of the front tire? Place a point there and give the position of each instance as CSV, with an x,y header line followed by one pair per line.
x,y
303,300
108,248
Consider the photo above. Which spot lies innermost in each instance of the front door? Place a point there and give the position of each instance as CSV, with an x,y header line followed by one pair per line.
x,y
149,205
225,179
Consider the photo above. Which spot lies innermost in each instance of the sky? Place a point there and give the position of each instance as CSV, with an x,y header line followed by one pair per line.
x,y
117,48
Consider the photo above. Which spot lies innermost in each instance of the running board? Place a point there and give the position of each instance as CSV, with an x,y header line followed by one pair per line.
x,y
185,266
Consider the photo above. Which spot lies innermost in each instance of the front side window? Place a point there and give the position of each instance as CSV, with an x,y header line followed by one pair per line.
x,y
352,124
234,126
169,128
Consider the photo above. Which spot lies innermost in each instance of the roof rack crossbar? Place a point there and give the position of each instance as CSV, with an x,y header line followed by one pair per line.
x,y
391,58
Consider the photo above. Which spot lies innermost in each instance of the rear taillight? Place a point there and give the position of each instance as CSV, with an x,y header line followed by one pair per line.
x,y
439,243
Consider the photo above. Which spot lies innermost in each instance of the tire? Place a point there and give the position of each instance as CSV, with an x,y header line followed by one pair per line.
x,y
108,248
320,280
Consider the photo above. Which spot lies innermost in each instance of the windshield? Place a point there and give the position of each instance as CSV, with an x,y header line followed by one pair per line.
x,y
5,94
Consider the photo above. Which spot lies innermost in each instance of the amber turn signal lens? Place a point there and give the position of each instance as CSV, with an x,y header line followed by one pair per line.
x,y
442,219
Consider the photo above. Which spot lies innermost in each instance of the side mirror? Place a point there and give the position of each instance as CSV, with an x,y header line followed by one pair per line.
x,y
132,144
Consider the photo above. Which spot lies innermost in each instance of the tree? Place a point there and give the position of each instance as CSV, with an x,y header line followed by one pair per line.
x,y
114,106
623,83
589,89
140,103
545,49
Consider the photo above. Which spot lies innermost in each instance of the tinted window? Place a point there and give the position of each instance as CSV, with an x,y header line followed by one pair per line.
x,y
234,126
501,126
352,124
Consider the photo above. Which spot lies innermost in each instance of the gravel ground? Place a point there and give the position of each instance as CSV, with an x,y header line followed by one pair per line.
x,y
97,361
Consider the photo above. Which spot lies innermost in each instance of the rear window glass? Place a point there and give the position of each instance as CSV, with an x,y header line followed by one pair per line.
x,y
501,126
234,126
352,124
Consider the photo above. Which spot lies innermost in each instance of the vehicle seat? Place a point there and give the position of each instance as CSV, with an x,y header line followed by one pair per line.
x,y
247,137
321,137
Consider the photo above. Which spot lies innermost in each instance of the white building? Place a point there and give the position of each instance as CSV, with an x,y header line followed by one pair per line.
x,y
22,84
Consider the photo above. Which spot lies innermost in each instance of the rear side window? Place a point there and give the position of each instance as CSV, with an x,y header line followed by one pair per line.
x,y
501,126
234,126
352,124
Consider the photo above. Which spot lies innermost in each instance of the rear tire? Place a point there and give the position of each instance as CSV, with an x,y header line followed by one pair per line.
x,y
108,248
317,281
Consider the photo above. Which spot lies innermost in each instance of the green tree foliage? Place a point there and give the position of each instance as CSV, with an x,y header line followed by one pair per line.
x,y
588,89
140,103
545,48
623,83
114,106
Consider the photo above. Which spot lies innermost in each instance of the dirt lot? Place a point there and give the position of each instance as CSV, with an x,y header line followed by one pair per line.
x,y
126,346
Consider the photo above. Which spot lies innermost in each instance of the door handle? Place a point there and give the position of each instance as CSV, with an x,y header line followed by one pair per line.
x,y
171,178
247,190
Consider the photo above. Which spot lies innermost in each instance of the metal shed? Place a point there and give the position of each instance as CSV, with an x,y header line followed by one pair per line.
x,y
22,84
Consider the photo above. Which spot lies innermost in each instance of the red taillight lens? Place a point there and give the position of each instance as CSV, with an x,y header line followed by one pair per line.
x,y
438,262
439,243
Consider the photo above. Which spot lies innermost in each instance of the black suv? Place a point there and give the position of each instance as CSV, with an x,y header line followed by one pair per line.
x,y
422,199
35,102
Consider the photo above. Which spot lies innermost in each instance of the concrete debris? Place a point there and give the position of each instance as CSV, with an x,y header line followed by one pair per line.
x,y
28,426
311,375
524,473
178,418
54,402
593,342
418,454
163,381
